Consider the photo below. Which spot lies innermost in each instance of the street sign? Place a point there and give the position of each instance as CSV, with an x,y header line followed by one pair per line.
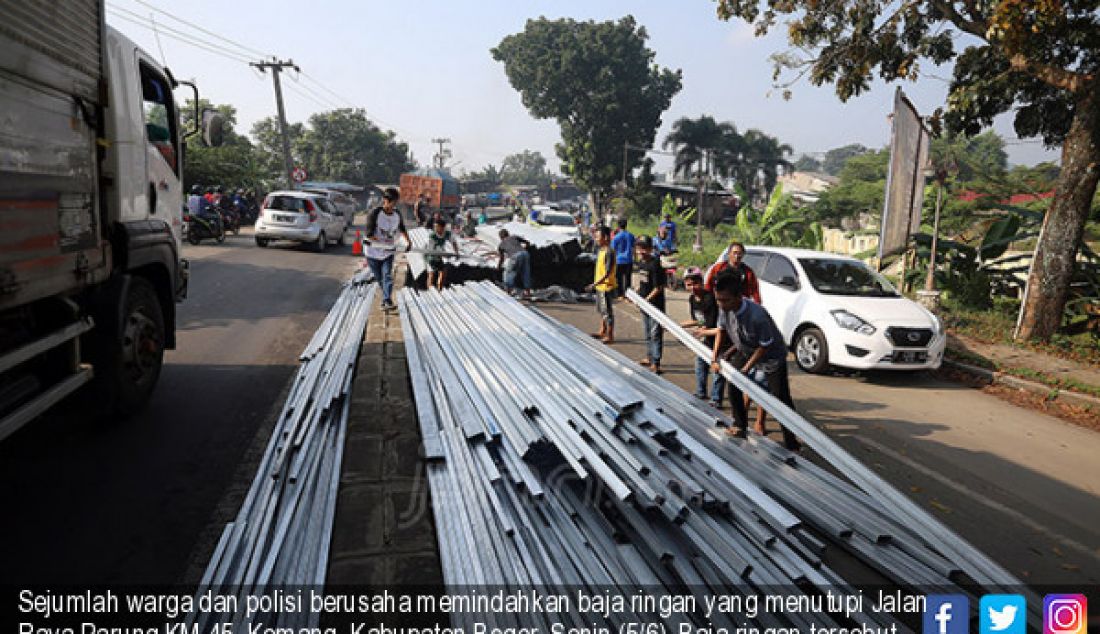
x,y
299,174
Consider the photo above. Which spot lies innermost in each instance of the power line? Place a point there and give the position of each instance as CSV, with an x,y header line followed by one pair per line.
x,y
249,50
191,42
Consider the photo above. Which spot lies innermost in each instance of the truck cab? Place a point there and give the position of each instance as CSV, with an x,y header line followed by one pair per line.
x,y
91,160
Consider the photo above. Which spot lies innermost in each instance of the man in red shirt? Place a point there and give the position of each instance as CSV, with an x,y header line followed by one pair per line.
x,y
732,258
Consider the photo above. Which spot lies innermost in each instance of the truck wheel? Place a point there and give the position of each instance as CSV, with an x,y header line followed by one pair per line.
x,y
132,356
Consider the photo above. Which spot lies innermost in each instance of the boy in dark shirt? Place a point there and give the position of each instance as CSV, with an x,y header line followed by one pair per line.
x,y
704,325
756,342
652,287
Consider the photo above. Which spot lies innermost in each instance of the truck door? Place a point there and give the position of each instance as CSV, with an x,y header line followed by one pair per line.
x,y
162,152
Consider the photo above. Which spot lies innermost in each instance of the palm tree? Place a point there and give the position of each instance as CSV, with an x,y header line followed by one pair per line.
x,y
756,167
691,137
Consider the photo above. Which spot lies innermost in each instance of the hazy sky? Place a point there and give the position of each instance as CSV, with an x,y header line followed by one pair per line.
x,y
422,68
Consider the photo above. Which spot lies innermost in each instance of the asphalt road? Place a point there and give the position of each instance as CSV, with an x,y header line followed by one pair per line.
x,y
1021,485
127,502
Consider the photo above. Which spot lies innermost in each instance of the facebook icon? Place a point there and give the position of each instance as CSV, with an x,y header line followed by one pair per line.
x,y
946,614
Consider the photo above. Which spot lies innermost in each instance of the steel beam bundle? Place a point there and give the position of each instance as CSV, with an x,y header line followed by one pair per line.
x,y
281,534
557,464
478,260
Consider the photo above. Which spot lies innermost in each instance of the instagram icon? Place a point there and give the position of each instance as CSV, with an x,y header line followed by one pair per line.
x,y
1065,614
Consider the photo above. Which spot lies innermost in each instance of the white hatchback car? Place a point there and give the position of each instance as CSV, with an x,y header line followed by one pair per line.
x,y
557,222
299,216
835,310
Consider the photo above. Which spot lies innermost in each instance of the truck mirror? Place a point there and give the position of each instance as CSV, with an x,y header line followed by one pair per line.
x,y
213,130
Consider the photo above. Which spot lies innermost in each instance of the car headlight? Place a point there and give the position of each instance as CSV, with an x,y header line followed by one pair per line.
x,y
847,320
937,325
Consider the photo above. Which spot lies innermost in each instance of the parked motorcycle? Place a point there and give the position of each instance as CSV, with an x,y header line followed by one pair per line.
x,y
205,226
670,263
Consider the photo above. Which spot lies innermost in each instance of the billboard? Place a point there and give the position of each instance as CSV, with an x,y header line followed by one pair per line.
x,y
909,141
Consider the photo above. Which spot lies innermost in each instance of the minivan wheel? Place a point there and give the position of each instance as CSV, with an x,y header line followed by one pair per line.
x,y
811,351
340,240
322,242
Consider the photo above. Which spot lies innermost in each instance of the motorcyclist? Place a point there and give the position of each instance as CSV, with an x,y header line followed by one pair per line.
x,y
195,201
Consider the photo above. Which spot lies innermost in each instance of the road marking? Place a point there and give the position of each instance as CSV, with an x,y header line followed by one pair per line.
x,y
994,505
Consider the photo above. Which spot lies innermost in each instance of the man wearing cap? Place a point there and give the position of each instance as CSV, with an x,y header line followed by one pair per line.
x,y
383,225
669,226
651,286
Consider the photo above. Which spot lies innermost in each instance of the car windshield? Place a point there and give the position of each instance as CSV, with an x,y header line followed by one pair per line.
x,y
557,220
285,203
844,277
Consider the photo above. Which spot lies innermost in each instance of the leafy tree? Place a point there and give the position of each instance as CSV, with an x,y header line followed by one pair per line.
x,y
690,138
836,158
269,146
525,168
860,189
599,82
807,163
490,174
234,164
344,145
1040,59
761,159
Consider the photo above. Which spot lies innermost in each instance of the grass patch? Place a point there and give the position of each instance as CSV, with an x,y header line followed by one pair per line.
x,y
997,324
714,240
1061,383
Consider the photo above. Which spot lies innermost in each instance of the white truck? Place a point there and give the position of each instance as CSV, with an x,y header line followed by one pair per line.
x,y
91,157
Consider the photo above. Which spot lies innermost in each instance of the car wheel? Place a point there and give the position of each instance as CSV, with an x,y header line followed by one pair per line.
x,y
811,351
322,242
261,242
340,240
193,237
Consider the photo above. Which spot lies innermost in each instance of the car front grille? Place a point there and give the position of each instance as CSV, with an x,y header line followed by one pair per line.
x,y
909,337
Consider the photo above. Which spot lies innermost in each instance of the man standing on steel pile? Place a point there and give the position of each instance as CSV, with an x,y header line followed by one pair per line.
x,y
516,262
383,225
623,245
652,288
756,341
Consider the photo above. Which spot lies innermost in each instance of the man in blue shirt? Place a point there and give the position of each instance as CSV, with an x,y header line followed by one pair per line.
x,y
623,246
663,244
757,342
669,226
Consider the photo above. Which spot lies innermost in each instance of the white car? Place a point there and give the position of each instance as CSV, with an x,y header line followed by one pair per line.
x,y
557,221
300,217
835,310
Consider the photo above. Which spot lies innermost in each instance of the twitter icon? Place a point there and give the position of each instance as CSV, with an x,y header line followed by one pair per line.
x,y
1002,614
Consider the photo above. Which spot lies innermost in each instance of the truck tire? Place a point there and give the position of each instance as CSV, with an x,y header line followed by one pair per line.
x,y
134,354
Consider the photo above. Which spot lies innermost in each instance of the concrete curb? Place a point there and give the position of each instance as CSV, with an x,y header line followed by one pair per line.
x,y
1068,397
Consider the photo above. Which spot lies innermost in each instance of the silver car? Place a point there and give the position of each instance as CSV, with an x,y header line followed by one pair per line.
x,y
302,217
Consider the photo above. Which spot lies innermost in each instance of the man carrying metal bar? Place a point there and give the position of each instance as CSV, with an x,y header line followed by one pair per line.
x,y
756,342
652,288
383,225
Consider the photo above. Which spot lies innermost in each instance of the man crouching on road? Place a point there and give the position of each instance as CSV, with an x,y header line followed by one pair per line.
x,y
383,225
756,341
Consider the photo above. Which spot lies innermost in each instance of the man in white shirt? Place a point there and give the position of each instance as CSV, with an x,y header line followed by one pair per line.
x,y
383,225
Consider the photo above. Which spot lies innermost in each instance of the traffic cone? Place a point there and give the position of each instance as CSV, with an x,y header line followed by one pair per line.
x,y
357,248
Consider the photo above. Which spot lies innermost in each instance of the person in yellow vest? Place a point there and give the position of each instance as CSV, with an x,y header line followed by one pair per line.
x,y
605,286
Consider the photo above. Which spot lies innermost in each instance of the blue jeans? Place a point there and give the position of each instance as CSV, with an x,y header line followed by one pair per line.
x,y
702,373
382,270
518,269
654,338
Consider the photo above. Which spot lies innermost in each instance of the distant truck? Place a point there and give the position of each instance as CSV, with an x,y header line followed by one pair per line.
x,y
91,158
441,189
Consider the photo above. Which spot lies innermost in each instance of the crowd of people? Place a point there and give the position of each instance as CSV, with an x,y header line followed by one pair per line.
x,y
725,306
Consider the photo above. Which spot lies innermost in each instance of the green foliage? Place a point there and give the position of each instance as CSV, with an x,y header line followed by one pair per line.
x,y
344,145
861,189
234,164
780,224
836,158
807,163
490,174
599,82
525,168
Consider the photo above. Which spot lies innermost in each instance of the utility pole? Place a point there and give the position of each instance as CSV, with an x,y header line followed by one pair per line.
x,y
704,166
443,154
276,67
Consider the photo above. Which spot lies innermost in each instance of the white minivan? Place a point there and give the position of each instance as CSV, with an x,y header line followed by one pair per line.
x,y
835,310
302,217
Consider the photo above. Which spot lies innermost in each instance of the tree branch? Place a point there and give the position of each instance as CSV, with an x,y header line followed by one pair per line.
x,y
974,27
1052,75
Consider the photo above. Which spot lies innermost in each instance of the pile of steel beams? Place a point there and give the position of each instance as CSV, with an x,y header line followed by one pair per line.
x,y
281,534
476,261
556,463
